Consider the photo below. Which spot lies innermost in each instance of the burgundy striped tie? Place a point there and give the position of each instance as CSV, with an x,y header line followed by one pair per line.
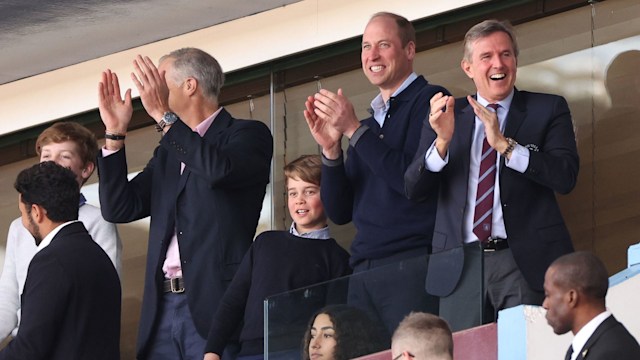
x,y
482,216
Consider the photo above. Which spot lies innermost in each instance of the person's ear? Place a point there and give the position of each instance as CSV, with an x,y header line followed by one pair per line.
x,y
466,67
38,213
572,298
88,170
190,85
410,48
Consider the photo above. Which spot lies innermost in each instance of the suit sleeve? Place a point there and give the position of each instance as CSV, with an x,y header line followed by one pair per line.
x,y
420,183
121,200
240,160
43,310
557,163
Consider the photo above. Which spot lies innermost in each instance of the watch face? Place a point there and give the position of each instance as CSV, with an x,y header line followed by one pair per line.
x,y
169,117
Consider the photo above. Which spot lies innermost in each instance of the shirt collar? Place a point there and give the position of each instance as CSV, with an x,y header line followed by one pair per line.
x,y
378,102
47,239
202,128
320,234
585,333
504,103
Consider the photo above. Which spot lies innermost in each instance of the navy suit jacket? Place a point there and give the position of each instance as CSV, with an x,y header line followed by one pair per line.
x,y
611,340
214,206
70,303
535,228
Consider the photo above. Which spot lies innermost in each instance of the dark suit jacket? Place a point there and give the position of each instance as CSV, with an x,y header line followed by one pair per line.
x,y
611,340
214,206
70,303
535,229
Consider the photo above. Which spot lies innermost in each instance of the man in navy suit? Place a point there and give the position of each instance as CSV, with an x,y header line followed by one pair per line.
x,y
575,288
71,298
502,210
203,189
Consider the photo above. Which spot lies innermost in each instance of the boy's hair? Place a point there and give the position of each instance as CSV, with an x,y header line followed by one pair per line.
x,y
306,168
70,131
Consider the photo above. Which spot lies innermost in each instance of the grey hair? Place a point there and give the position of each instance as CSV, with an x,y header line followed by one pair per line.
x,y
485,29
192,62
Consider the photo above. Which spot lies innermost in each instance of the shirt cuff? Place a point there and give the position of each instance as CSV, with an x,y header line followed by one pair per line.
x,y
330,162
106,152
519,159
432,160
357,134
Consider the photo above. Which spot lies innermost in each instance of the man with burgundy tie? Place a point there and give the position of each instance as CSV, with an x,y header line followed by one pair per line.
x,y
497,175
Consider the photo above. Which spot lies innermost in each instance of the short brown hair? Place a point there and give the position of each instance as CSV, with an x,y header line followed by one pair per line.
x,y
406,31
485,29
70,131
306,168
427,336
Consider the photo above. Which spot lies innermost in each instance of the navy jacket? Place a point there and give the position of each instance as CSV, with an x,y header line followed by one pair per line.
x,y
214,206
70,303
368,188
611,340
535,228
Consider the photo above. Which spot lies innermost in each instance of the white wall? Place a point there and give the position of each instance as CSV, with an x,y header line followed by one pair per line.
x,y
236,44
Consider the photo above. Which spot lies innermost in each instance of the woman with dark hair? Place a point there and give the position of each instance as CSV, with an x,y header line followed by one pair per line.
x,y
341,332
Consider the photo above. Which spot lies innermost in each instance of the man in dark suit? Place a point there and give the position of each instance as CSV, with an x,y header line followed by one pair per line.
x,y
71,299
498,173
575,288
203,189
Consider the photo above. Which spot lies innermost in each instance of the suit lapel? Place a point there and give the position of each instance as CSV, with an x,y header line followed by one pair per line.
x,y
517,115
465,126
220,123
604,327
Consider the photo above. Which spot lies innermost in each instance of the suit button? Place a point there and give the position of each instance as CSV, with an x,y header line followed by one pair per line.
x,y
504,205
381,136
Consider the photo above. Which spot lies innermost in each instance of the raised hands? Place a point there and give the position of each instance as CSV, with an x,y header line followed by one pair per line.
x,y
323,133
114,110
441,119
337,110
329,116
491,125
152,86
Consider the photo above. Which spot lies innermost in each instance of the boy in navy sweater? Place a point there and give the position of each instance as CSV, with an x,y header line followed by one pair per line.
x,y
279,261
